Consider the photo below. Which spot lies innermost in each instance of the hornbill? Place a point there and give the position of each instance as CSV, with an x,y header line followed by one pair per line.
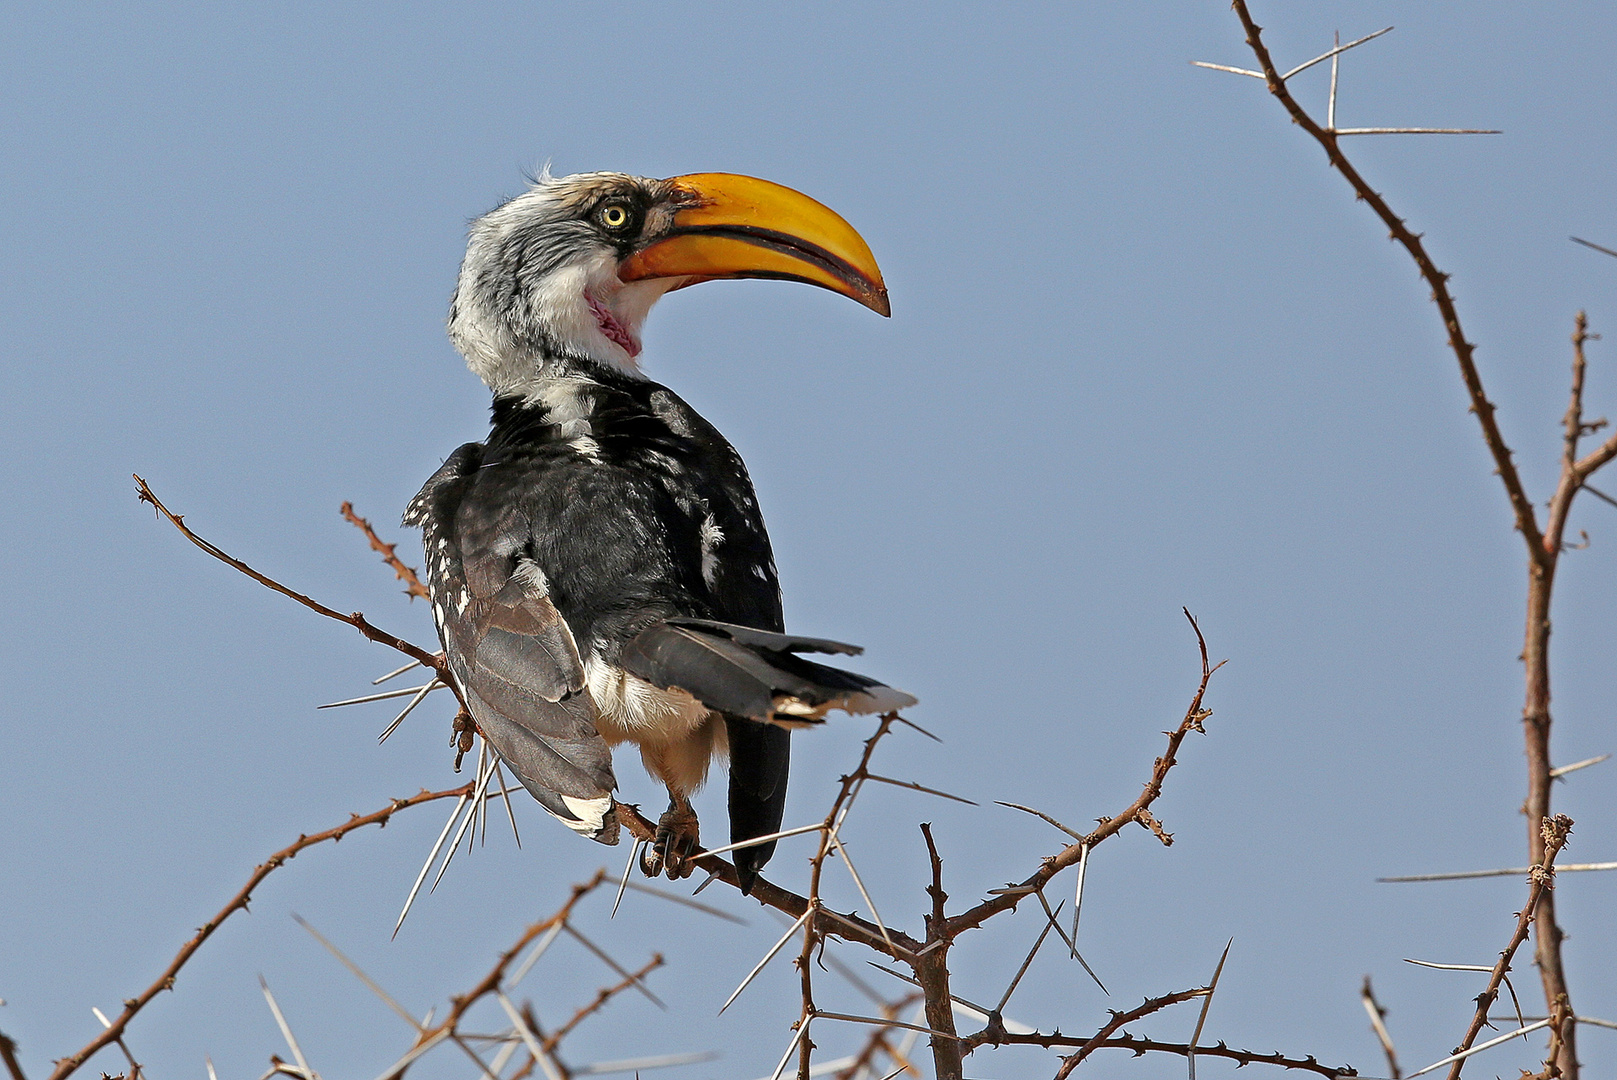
x,y
598,567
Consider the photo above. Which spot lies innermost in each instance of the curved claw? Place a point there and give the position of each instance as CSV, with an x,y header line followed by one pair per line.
x,y
678,838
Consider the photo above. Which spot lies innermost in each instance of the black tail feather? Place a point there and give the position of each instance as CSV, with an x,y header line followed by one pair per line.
x,y
759,757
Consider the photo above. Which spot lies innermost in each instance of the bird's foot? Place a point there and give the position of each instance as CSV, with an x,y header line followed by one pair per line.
x,y
677,839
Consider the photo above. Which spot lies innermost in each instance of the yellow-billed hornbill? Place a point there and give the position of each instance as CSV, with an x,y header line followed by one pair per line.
x,y
599,568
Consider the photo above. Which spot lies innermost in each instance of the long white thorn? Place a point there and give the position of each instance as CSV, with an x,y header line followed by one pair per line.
x,y
1330,109
853,873
675,898
503,1058
634,849
395,673
1049,924
1447,967
662,1061
370,983
406,692
471,815
1418,131
534,954
399,719
1561,770
613,964
482,803
528,1037
1479,1048
431,855
768,956
816,827
791,1047
876,1021
286,1029
1078,900
1339,50
414,1052
1509,871
1207,1003
1226,67
505,794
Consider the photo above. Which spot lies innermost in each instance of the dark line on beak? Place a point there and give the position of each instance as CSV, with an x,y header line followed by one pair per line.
x,y
791,245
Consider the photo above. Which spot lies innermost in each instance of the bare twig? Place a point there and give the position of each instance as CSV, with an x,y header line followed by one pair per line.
x,y
1138,1046
1543,547
1508,871
1117,1022
8,1057
412,584
913,786
1378,1017
1555,831
358,621
1050,867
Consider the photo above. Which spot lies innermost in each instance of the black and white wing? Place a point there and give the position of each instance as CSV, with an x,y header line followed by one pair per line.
x,y
510,649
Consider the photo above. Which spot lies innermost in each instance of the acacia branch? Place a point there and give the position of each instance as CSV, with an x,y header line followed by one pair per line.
x,y
491,982
1118,1020
114,1032
357,620
1526,520
1069,856
1140,1045
1555,832
1543,549
602,996
8,1057
406,574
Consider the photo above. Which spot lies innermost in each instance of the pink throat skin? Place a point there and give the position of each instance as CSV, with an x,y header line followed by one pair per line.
x,y
614,330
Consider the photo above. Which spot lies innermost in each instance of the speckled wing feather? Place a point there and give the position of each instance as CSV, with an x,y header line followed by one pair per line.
x,y
510,649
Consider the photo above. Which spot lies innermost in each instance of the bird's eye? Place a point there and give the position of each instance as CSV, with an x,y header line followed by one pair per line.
x,y
613,216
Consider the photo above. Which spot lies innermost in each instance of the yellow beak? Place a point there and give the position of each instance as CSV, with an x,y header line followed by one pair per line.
x,y
733,226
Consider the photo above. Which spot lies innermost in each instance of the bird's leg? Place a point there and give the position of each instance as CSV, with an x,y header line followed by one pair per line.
x,y
677,838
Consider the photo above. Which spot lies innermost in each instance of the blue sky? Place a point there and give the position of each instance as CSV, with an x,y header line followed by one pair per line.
x,y
1145,353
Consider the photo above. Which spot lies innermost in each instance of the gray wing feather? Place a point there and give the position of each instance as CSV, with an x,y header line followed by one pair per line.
x,y
513,653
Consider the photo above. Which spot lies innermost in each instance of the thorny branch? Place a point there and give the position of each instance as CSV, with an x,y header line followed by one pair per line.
x,y
1117,1022
1437,279
492,982
8,1057
1140,1045
114,1032
602,996
1555,832
928,960
1544,547
1109,827
406,574
1378,1017
435,661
